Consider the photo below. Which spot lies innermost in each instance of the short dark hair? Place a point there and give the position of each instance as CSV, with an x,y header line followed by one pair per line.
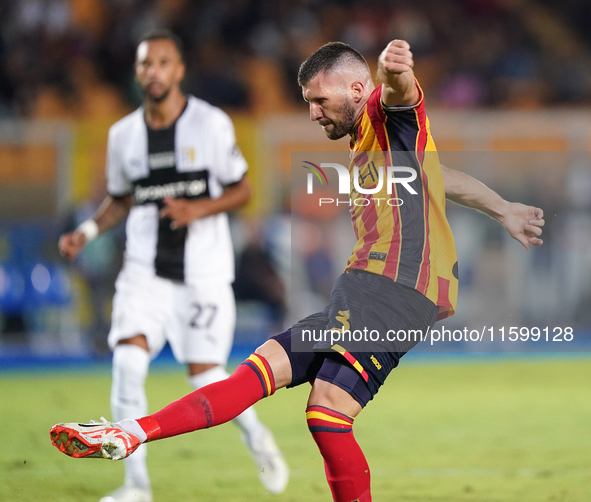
x,y
326,58
163,34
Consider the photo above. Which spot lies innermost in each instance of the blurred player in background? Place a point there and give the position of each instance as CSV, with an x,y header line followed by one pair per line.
x,y
174,169
402,275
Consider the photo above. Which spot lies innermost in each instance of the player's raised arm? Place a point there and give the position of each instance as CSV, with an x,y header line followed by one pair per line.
x,y
395,73
524,223
112,211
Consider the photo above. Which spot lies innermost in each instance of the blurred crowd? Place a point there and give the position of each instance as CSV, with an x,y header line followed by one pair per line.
x,y
244,54
74,59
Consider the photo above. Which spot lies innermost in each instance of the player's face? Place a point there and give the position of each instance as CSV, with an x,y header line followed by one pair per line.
x,y
158,68
331,104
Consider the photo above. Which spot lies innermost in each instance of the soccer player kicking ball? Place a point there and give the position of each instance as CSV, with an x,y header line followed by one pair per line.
x,y
402,275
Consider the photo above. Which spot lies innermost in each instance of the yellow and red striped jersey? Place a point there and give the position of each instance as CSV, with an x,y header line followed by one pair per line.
x,y
401,235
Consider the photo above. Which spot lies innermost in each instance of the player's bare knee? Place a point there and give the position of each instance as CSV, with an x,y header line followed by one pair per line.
x,y
277,358
199,368
330,396
139,340
201,374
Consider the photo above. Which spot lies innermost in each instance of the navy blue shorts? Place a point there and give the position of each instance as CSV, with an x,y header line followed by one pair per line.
x,y
360,336
327,366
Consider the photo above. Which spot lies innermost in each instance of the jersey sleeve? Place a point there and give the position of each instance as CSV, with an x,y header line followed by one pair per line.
x,y
394,109
231,165
117,182
405,125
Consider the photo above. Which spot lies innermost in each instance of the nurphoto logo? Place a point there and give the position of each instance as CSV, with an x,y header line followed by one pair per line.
x,y
376,177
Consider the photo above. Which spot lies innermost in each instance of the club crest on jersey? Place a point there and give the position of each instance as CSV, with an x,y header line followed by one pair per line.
x,y
187,155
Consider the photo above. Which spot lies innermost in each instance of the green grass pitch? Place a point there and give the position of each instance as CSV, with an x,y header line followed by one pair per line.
x,y
492,431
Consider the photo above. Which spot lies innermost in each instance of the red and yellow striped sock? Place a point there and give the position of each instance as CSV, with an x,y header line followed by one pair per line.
x,y
346,469
213,404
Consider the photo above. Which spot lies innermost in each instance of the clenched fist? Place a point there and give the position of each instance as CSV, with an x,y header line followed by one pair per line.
x,y
71,244
396,57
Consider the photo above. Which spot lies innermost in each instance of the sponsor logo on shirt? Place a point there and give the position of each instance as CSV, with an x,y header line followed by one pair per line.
x,y
153,193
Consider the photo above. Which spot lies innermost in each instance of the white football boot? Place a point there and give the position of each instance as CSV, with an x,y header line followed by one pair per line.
x,y
93,440
273,470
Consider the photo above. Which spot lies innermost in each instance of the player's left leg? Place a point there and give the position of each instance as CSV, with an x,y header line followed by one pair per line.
x,y
272,468
272,366
337,397
264,371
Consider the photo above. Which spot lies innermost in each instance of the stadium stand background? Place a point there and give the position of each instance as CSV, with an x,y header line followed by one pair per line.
x,y
508,86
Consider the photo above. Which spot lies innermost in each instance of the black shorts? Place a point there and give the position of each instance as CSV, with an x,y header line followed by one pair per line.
x,y
369,324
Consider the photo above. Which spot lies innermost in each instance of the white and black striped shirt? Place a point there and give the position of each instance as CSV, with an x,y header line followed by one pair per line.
x,y
195,157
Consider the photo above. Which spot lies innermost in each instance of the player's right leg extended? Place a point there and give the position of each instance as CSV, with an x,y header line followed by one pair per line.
x,y
258,377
